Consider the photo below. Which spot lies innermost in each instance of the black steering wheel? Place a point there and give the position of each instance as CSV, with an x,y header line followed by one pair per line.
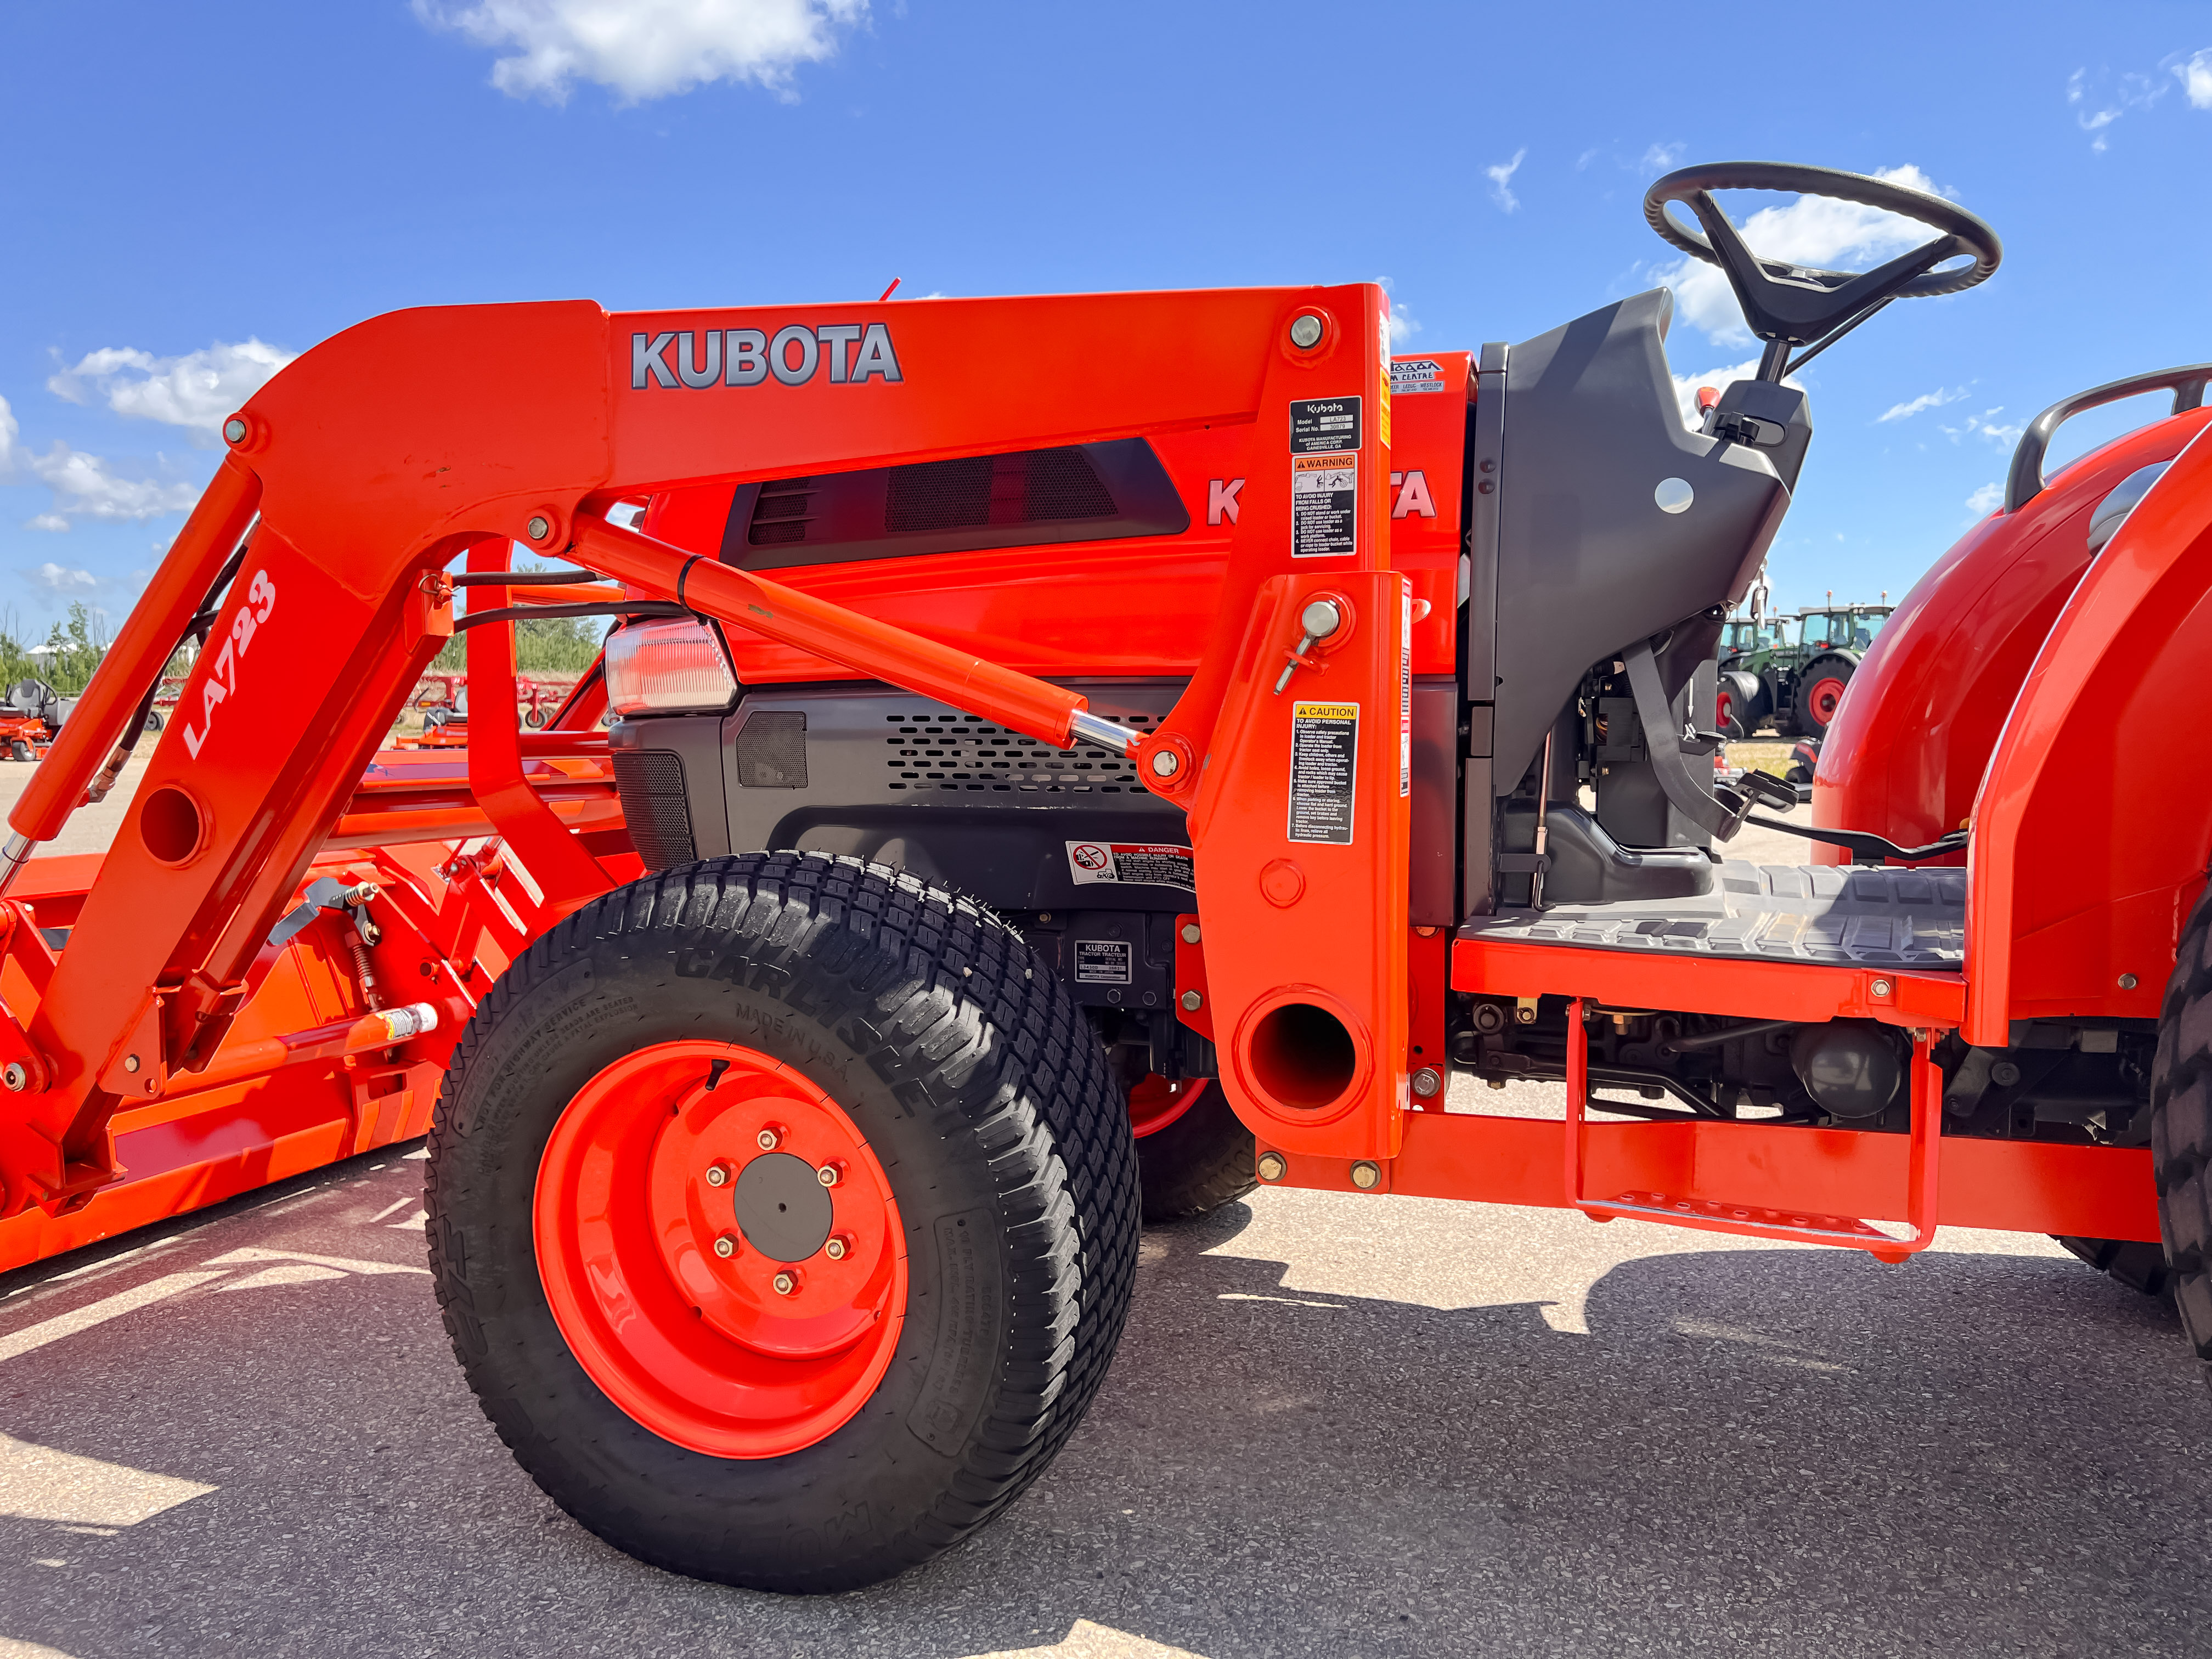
x,y
1791,305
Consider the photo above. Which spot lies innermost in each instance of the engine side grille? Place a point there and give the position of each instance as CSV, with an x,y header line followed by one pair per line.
x,y
1032,498
940,494
945,750
650,782
1033,486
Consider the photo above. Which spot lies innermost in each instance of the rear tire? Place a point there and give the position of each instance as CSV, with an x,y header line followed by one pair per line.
x,y
2134,1262
1820,687
1197,1163
2181,1129
993,1146
1736,704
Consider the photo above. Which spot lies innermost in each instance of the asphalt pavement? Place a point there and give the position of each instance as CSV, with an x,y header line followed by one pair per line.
x,y
1339,1426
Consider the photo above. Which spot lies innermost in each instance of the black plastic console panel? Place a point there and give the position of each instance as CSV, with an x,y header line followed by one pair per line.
x,y
1589,557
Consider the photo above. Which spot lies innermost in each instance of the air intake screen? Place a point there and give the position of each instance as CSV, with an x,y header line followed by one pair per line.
x,y
650,782
772,749
1081,492
1037,485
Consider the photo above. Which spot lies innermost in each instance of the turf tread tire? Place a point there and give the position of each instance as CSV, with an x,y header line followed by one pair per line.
x,y
1197,1163
962,1040
2181,1128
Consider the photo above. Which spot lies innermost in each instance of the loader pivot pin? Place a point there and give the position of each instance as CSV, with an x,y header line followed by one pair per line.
x,y
1320,620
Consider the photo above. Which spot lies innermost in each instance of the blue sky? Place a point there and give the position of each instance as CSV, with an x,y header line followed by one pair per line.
x,y
197,191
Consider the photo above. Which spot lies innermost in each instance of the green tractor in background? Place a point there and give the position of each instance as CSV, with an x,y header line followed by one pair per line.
x,y
1754,652
1792,670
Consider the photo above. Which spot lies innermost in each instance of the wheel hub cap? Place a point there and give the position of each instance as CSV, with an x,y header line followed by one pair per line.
x,y
782,1208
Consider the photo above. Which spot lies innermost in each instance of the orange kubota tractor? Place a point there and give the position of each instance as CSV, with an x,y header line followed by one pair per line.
x,y
1078,756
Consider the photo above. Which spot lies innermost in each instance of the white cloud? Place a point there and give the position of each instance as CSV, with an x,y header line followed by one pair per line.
x,y
1660,157
1501,180
196,391
2114,96
1686,386
1984,501
2195,75
1403,324
65,581
8,431
46,521
1812,230
646,49
1934,399
1986,425
84,487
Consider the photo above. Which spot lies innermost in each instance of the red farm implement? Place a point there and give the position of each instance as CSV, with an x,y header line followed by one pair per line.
x,y
1038,798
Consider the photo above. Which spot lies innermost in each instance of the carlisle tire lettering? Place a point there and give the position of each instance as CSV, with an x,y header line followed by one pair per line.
x,y
845,354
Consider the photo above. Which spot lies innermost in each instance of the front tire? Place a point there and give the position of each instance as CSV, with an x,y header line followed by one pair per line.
x,y
622,1314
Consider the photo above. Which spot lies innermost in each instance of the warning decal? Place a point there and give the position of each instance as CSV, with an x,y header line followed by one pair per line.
x,y
1405,687
1322,426
1414,374
1103,962
1324,762
1162,864
1324,505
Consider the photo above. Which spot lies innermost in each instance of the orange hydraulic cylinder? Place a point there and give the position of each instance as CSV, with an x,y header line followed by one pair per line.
x,y
1043,710
234,1063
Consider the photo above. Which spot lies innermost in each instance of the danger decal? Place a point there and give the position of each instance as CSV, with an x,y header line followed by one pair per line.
x,y
1324,767
1150,863
842,354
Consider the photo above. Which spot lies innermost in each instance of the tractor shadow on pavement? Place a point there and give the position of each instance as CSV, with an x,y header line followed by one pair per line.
x,y
1749,1451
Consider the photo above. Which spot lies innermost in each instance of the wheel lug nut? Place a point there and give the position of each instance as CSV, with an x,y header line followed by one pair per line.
x,y
828,1174
718,1174
838,1248
725,1246
785,1283
769,1139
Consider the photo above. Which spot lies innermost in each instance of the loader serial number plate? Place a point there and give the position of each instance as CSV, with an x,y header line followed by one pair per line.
x,y
1324,477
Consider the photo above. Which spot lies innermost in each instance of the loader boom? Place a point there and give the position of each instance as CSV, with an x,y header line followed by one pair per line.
x,y
381,457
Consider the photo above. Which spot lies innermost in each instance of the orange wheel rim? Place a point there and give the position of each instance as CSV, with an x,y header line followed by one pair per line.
x,y
705,1274
1156,1103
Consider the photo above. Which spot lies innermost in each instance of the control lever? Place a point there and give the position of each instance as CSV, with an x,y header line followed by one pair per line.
x,y
1719,812
1769,789
1864,844
1320,620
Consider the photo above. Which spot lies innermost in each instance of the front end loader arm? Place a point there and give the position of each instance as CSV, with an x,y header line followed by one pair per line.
x,y
381,456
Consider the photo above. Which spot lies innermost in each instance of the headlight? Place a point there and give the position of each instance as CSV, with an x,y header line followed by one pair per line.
x,y
668,665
